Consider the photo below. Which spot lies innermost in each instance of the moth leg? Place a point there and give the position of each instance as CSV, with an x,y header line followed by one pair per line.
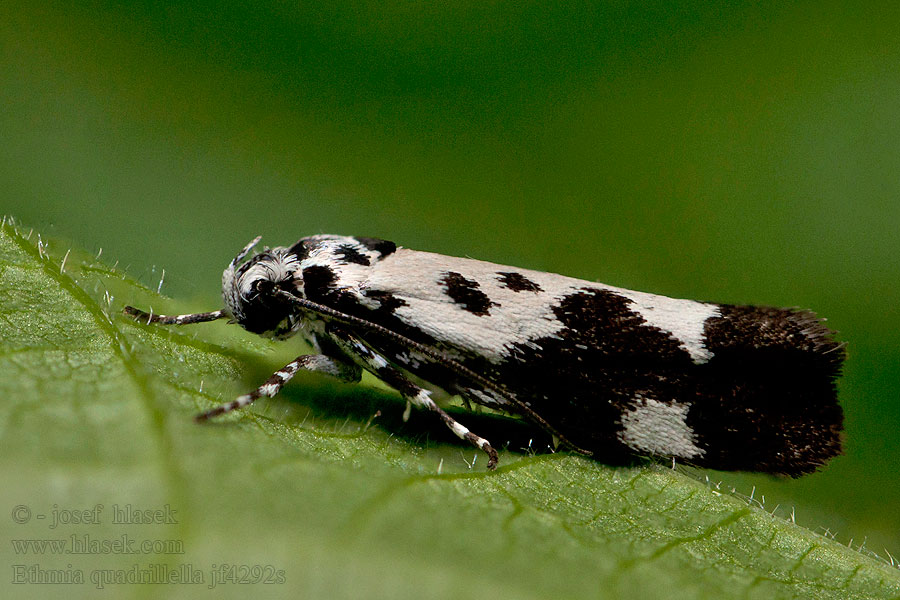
x,y
413,393
421,397
317,363
149,317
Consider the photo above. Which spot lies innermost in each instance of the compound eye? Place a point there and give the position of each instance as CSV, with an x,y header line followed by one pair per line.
x,y
263,287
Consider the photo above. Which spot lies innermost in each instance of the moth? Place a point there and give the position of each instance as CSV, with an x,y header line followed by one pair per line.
x,y
610,372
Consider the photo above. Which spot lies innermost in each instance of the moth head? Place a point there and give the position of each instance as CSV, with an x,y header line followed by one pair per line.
x,y
250,290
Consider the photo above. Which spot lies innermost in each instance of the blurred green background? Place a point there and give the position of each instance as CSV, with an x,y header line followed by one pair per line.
x,y
746,153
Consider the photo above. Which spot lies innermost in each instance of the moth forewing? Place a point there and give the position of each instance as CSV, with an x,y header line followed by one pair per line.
x,y
610,372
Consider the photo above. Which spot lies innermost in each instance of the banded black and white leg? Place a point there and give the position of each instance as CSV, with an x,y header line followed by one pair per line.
x,y
316,363
149,317
414,394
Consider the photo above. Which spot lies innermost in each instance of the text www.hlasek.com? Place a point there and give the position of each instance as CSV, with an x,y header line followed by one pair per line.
x,y
86,544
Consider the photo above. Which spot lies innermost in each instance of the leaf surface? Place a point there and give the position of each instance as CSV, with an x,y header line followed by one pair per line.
x,y
324,491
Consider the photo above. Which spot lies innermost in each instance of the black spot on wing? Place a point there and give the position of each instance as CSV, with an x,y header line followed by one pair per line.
x,y
382,247
465,292
351,254
302,247
602,320
388,302
318,283
517,282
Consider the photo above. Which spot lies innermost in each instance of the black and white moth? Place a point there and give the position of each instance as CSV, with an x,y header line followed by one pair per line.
x,y
609,372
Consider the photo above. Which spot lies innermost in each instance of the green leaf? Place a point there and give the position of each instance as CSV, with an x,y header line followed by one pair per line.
x,y
324,491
